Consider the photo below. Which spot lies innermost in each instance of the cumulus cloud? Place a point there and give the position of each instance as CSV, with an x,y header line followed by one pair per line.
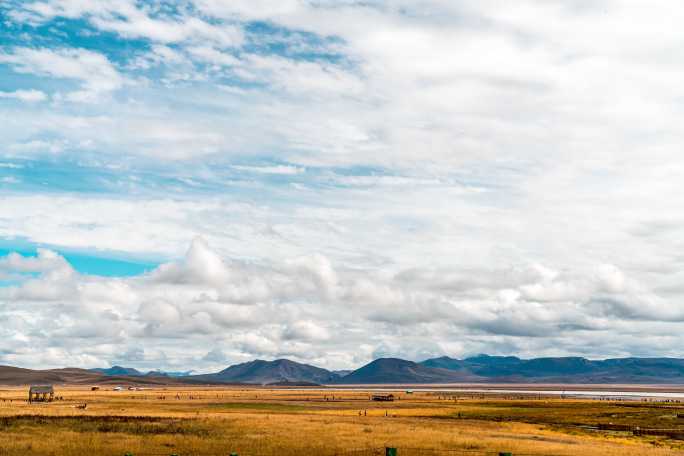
x,y
201,264
46,260
292,311
306,330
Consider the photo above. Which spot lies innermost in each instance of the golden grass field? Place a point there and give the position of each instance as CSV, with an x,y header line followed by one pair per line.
x,y
257,421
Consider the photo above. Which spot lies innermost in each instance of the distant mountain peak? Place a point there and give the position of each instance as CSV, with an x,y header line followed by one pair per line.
x,y
277,371
119,370
486,357
392,361
132,372
396,370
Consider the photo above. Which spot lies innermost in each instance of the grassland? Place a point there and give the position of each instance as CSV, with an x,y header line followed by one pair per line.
x,y
217,421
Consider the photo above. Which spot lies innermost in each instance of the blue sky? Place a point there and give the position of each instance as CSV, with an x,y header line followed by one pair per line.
x,y
188,184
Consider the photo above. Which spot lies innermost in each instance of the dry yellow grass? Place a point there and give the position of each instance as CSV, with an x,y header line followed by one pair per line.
x,y
216,421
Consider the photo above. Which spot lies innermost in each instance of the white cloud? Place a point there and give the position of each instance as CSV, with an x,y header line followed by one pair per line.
x,y
138,25
30,96
38,146
200,265
46,260
278,169
307,330
193,300
212,56
126,18
92,70
305,79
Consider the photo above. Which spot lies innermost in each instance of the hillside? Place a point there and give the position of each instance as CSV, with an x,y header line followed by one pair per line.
x,y
17,376
394,370
266,372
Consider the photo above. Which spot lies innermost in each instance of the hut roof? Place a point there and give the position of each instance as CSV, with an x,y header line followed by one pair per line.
x,y
41,389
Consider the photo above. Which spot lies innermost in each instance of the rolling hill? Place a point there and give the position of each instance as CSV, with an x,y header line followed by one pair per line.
x,y
395,370
18,376
266,372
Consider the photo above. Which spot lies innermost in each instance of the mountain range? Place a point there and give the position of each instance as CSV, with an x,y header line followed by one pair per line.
x,y
510,369
478,369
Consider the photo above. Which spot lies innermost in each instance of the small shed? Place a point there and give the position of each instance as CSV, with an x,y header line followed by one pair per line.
x,y
41,393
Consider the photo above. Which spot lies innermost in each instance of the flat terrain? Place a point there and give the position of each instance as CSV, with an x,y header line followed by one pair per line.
x,y
258,421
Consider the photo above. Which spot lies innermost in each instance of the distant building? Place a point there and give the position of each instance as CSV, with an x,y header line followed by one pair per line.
x,y
383,397
41,393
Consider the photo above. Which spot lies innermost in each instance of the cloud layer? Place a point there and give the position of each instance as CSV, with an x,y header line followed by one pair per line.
x,y
208,308
361,178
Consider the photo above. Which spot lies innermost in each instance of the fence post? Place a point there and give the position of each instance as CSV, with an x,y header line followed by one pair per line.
x,y
390,451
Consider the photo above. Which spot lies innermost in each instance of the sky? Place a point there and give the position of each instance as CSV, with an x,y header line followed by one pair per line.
x,y
196,183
